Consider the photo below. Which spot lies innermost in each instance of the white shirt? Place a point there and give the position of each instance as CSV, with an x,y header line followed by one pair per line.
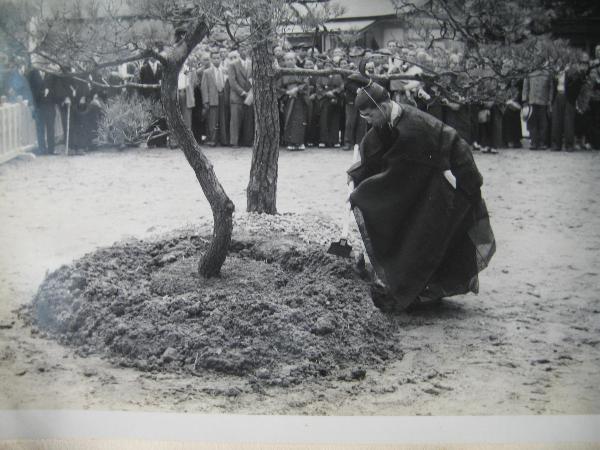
x,y
220,79
560,87
182,79
396,111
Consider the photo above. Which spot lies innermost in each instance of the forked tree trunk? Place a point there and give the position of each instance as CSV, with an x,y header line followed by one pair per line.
x,y
222,207
262,188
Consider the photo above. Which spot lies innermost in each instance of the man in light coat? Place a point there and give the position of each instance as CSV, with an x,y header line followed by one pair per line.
x,y
212,87
538,92
239,82
186,83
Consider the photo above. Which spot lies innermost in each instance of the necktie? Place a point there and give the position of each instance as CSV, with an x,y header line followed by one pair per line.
x,y
219,79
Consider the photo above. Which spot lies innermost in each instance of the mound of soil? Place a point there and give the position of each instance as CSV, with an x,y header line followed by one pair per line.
x,y
282,311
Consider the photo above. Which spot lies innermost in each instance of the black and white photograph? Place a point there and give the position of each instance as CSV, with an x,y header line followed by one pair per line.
x,y
319,209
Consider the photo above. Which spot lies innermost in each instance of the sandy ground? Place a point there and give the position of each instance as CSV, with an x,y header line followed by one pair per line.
x,y
529,343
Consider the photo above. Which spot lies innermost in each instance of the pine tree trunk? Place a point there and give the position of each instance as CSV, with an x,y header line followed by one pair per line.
x,y
262,188
222,207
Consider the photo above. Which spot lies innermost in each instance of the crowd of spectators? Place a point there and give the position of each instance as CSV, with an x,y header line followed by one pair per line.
x,y
561,105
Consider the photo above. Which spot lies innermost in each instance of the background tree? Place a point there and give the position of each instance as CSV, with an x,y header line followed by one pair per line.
x,y
265,20
496,41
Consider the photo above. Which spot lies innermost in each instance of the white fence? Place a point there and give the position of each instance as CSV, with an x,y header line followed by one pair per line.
x,y
17,129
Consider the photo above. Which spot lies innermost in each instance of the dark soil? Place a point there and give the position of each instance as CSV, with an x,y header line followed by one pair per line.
x,y
282,311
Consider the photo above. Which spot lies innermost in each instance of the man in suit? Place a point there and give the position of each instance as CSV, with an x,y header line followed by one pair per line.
x,y
151,73
247,138
239,82
186,83
63,93
537,92
198,120
47,92
212,87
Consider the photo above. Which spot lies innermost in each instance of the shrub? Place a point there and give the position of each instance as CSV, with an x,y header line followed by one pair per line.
x,y
126,119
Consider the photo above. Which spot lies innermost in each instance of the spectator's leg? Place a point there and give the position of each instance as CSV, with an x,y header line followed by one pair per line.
x,y
225,116
496,119
222,122
235,120
62,109
50,118
543,126
569,126
324,122
248,126
76,129
558,120
197,122
349,128
594,125
212,124
533,126
342,109
334,124
40,128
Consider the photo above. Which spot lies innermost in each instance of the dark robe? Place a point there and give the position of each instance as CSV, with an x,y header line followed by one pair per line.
x,y
312,112
511,120
294,109
330,121
460,120
422,235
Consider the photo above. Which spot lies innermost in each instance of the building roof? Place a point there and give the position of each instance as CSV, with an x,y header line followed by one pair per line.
x,y
356,25
358,9
355,9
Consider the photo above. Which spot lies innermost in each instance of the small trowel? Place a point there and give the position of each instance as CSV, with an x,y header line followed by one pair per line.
x,y
342,248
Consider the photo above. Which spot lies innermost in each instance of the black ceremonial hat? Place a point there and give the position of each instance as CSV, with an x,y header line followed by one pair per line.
x,y
371,96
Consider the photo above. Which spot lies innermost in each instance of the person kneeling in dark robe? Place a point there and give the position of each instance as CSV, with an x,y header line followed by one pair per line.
x,y
418,205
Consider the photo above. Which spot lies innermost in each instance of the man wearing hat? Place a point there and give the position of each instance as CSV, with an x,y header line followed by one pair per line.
x,y
418,205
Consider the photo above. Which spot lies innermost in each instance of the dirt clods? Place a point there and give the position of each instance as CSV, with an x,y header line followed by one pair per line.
x,y
281,312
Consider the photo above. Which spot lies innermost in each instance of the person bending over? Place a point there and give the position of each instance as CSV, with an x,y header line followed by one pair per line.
x,y
417,202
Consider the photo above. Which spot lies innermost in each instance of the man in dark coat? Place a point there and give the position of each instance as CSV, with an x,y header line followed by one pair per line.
x,y
329,92
46,95
151,73
418,204
355,126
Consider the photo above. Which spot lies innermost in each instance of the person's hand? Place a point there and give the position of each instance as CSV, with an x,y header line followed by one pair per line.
x,y
244,94
82,100
205,110
424,95
67,101
46,92
95,100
